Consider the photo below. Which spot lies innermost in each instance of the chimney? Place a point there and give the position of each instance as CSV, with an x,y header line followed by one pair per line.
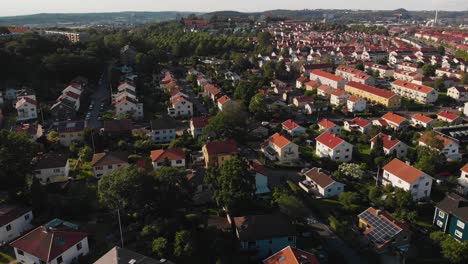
x,y
378,212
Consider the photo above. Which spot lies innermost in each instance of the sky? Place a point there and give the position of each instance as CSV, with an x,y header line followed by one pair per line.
x,y
23,7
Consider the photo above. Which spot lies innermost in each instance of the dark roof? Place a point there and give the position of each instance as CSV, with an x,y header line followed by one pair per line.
x,y
456,205
123,125
49,241
70,126
102,159
119,255
10,212
261,227
164,122
51,160
221,147
319,177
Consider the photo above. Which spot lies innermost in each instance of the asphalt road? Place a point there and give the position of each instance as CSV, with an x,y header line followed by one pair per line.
x,y
100,95
199,106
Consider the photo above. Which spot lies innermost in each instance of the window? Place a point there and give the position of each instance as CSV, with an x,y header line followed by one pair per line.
x,y
415,186
440,223
178,161
460,224
20,252
109,166
8,227
56,170
79,246
441,214
98,168
458,234
26,217
59,260
427,183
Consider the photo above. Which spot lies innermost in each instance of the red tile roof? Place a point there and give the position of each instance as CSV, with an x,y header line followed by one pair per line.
x,y
325,123
326,75
170,154
290,125
354,98
445,141
224,99
465,168
278,140
200,121
289,255
413,86
388,141
371,89
422,118
47,245
403,171
448,115
393,118
25,100
330,140
338,92
359,121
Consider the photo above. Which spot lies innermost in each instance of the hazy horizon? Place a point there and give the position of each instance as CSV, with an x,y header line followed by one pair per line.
x,y
30,7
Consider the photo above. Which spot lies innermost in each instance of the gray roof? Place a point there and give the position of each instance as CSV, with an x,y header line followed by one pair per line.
x,y
455,205
119,255
51,160
262,227
164,122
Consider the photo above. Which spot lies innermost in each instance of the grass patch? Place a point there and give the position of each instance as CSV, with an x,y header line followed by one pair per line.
x,y
7,255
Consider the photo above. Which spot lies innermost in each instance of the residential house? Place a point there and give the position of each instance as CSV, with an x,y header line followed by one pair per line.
x,y
26,108
278,147
383,70
383,232
197,124
290,255
52,168
459,93
353,74
391,146
63,109
311,85
216,153
451,216
53,243
181,106
463,179
260,235
419,93
163,129
14,221
301,82
449,117
338,97
358,124
328,126
33,131
327,78
225,102
106,162
407,76
70,132
293,128
117,128
262,189
421,120
119,255
325,90
395,121
355,104
168,157
127,105
331,146
404,176
302,101
373,94
321,184
449,147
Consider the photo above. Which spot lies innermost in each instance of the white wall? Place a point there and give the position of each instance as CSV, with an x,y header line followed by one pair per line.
x,y
420,188
18,226
174,163
100,171
53,174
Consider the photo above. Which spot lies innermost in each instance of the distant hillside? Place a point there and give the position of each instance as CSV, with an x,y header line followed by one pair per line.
x,y
90,18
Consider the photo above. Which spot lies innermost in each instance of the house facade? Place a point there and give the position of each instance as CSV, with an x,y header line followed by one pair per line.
x,y
14,221
327,78
419,93
216,153
105,163
52,168
331,146
279,148
168,157
451,216
319,182
163,130
373,94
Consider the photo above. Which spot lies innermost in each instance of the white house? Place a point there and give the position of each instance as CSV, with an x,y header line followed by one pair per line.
x,y
52,168
421,120
14,221
404,176
225,102
180,106
356,104
320,183
128,105
293,128
448,147
459,93
53,243
327,78
449,117
395,121
168,157
358,124
329,126
419,93
391,145
338,97
26,108
331,146
463,179
197,124
105,163
163,129
278,147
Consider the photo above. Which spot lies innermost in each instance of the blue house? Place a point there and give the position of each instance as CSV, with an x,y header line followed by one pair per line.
x,y
262,235
261,180
451,216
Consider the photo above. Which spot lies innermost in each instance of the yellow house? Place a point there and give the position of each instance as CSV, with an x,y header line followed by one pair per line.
x,y
374,94
216,153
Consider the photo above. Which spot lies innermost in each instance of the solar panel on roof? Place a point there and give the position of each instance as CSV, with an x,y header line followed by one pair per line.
x,y
383,230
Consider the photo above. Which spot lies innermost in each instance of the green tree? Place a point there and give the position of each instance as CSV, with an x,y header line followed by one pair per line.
x,y
183,245
53,137
439,84
85,153
429,70
349,200
234,185
464,78
159,246
289,204
230,123
359,66
16,153
441,50
258,105
451,249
